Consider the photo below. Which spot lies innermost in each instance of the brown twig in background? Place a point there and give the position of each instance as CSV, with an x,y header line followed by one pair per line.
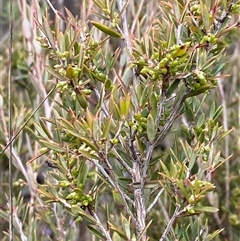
x,y
10,177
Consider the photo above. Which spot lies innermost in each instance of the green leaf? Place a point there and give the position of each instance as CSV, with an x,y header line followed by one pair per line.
x,y
44,127
106,126
31,132
145,95
41,131
48,32
213,235
82,101
212,111
83,139
151,130
96,233
101,4
217,112
201,120
124,105
106,30
89,118
118,231
87,154
138,92
165,170
46,194
115,109
208,209
87,217
83,172
153,105
205,15
65,124
199,91
173,87
55,73
189,111
185,130
140,144
113,60
52,145
181,185
225,133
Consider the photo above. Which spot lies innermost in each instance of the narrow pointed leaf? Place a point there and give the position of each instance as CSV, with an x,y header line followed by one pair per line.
x,y
45,129
96,232
199,91
55,73
106,30
48,32
208,209
52,145
41,131
151,130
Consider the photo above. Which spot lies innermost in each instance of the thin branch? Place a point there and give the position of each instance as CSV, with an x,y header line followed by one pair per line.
x,y
53,9
132,150
25,123
121,4
136,16
154,201
103,106
125,32
105,174
225,126
10,134
99,224
165,130
160,104
17,162
122,162
18,225
102,170
176,214
150,146
123,196
59,223
169,122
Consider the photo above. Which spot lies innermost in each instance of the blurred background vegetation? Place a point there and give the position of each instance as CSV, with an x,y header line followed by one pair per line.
x,y
31,84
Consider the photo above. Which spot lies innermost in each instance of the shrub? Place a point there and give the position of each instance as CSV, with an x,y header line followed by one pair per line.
x,y
130,146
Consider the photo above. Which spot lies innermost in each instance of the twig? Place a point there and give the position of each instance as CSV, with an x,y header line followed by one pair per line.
x,y
225,126
160,107
136,16
171,221
53,9
165,130
125,32
154,201
19,166
99,224
18,225
59,223
150,146
132,150
122,162
10,134
102,170
103,106
169,122
25,123
123,196
105,174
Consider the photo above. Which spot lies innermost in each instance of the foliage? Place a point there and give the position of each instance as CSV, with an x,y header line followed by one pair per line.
x,y
108,113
